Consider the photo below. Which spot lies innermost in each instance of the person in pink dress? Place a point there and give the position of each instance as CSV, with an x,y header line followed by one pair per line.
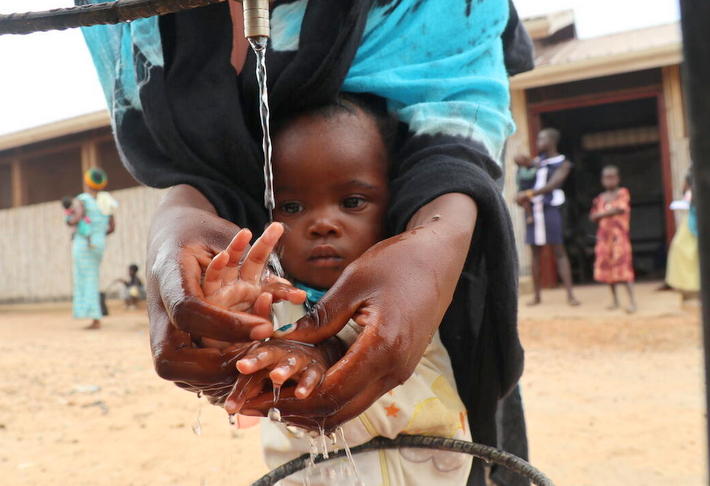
x,y
613,263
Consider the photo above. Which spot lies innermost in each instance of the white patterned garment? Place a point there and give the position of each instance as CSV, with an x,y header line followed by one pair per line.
x,y
427,403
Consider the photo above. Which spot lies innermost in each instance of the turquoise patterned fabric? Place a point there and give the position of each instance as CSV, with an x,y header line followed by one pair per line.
x,y
441,71
87,253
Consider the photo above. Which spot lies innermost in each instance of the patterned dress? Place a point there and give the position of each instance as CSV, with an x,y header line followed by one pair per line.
x,y
613,257
86,259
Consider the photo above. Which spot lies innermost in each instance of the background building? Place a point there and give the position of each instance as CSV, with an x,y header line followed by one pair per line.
x,y
616,99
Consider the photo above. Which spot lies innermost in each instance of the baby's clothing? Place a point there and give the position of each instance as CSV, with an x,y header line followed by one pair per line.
x,y
526,178
427,403
83,227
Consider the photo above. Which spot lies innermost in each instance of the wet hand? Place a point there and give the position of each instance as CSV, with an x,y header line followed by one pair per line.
x,y
398,291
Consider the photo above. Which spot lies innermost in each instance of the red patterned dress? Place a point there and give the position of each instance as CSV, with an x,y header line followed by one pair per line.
x,y
613,258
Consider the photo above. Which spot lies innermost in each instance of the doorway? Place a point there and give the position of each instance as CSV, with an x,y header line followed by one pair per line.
x,y
627,133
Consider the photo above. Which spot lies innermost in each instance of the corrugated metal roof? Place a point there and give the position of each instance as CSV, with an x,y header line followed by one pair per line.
x,y
577,50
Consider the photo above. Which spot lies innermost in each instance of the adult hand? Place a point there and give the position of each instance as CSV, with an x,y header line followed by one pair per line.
x,y
521,197
398,291
185,236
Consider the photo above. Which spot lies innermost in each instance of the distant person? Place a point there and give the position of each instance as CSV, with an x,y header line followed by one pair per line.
x,y
613,258
683,269
94,207
547,199
82,227
525,178
133,290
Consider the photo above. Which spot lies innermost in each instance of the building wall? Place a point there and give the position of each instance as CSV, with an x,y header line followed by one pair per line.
x,y
36,249
517,144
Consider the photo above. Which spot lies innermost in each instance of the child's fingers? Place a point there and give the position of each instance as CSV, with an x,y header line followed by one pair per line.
x,y
286,369
213,274
238,246
262,305
258,255
308,382
257,359
285,291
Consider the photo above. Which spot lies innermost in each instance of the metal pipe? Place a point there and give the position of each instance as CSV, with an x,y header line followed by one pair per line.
x,y
696,77
93,14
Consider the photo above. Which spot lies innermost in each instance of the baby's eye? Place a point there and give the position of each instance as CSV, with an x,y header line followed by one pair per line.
x,y
292,207
353,202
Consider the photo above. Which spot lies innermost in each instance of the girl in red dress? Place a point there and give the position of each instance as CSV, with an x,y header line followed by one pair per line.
x,y
613,262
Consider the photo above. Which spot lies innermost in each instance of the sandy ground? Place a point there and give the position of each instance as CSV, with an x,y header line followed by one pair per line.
x,y
611,400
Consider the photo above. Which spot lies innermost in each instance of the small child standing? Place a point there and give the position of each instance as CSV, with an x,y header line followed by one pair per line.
x,y
613,262
83,227
331,185
525,177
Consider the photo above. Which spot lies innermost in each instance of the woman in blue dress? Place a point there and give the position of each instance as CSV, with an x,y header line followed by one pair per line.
x,y
88,250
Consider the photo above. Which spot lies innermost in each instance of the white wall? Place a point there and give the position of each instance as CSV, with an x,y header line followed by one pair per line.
x,y
35,249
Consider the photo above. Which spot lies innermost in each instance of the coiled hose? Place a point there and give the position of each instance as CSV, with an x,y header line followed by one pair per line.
x,y
488,454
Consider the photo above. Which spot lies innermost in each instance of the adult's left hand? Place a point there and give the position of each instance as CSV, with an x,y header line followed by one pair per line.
x,y
398,291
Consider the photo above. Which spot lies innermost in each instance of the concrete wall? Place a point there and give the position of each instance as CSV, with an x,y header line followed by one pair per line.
x,y
35,249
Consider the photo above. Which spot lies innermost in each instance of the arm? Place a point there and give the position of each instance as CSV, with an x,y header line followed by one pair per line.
x,y
555,182
111,224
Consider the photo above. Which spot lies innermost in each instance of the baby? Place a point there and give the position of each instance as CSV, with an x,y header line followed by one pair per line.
x,y
83,227
331,185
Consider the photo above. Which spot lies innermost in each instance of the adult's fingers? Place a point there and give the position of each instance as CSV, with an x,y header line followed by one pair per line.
x,y
199,318
176,359
253,265
327,318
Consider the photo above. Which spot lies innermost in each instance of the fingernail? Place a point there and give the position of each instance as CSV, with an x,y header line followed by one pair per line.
x,y
301,392
288,328
247,361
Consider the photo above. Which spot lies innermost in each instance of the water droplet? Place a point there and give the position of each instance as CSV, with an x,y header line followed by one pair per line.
x,y
199,393
232,419
275,414
277,393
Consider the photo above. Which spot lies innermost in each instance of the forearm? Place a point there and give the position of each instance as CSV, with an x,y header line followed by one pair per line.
x,y
447,223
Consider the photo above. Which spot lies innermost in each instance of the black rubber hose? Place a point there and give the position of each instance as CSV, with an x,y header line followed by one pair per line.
x,y
488,454
93,14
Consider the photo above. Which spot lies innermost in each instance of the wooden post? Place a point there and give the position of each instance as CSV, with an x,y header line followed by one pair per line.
x,y
18,184
89,155
677,130
517,144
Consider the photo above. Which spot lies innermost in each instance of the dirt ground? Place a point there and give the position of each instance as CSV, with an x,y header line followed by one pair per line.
x,y
611,400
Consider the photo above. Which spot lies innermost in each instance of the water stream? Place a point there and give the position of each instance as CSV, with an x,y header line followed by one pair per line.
x,y
274,267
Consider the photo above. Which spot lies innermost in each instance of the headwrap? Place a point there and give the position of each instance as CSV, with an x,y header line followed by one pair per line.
x,y
95,178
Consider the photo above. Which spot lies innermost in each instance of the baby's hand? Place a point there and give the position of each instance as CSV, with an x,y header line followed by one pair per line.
x,y
283,361
234,282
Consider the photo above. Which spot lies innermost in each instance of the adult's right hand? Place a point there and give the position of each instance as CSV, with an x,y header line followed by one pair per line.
x,y
186,234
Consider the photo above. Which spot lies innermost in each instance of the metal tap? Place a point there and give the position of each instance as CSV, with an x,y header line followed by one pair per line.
x,y
256,18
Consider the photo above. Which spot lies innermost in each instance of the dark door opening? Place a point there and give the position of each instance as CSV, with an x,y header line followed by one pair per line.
x,y
625,134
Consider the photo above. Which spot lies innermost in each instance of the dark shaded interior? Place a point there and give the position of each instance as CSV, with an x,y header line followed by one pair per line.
x,y
641,173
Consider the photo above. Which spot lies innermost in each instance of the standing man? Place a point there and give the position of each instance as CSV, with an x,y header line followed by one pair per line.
x,y
547,199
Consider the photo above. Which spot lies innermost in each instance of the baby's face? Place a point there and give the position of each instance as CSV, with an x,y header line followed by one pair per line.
x,y
331,191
